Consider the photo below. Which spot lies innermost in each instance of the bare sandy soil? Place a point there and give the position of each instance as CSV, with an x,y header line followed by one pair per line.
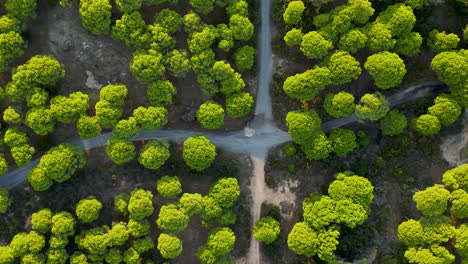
x,y
105,180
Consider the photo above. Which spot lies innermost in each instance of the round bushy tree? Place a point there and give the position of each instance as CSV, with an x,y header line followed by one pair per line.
x,y
344,68
387,69
315,46
318,147
293,37
239,104
293,12
169,187
172,219
303,125
343,141
394,123
120,150
198,152
427,125
87,210
211,115
267,230
169,246
96,15
88,127
154,154
446,110
245,57
372,106
140,204
225,191
340,104
432,201
41,221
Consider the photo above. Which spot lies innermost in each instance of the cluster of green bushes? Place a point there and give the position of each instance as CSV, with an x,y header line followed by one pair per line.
x,y
347,204
348,29
156,53
305,130
442,230
60,238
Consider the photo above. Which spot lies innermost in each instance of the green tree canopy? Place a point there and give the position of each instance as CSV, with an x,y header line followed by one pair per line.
x,y
131,28
154,154
160,92
191,203
302,126
5,201
409,44
88,127
399,18
198,152
245,57
63,224
140,204
128,6
211,115
169,187
459,207
172,219
446,110
177,62
169,246
126,128
372,106
355,188
58,164
23,243
40,120
87,210
41,221
168,19
353,41
451,67
67,109
21,9
315,46
121,203
151,118
107,114
10,115
386,68
432,201
293,37
340,104
267,229
379,37
239,104
115,94
343,141
147,66
242,28
225,191
456,178
343,67
293,12
394,123
303,240
120,150
305,86
441,41
317,147
202,6
96,15
428,125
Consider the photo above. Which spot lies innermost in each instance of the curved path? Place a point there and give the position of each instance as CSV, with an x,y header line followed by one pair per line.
x,y
256,139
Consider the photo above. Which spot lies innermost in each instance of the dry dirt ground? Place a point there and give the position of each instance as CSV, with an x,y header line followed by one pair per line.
x,y
93,61
105,180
